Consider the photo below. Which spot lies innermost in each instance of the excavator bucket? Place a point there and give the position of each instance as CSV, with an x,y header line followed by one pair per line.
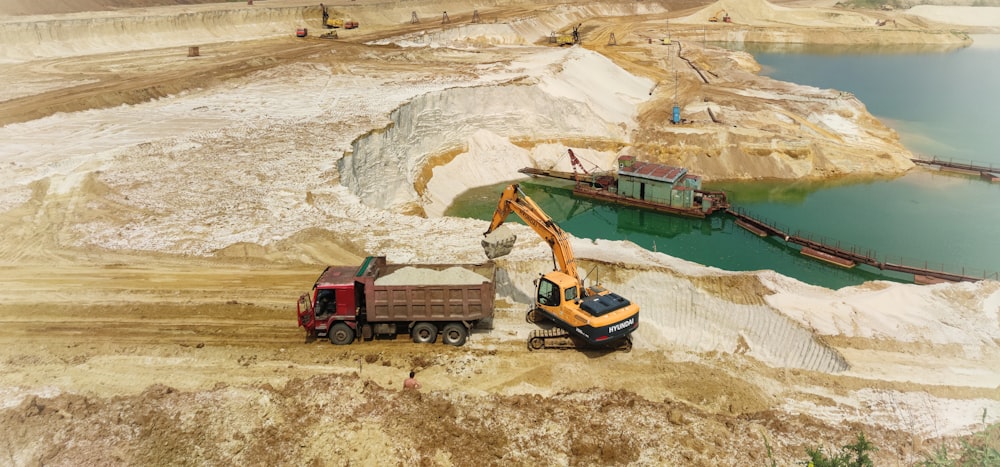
x,y
499,242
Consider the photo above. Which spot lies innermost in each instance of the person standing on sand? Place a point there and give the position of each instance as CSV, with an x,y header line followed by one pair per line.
x,y
411,382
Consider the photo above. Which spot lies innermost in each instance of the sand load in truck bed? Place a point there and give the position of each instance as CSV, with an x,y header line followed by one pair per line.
x,y
411,275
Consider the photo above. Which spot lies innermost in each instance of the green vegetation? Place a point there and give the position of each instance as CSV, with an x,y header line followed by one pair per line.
x,y
978,449
851,455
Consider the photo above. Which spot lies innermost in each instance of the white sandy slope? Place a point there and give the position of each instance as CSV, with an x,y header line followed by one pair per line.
x,y
606,92
764,13
201,171
959,15
757,13
984,17
952,329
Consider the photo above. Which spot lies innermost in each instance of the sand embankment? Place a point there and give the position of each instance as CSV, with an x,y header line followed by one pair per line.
x,y
981,16
32,38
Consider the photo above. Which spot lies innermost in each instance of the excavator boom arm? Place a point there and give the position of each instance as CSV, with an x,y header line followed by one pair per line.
x,y
513,200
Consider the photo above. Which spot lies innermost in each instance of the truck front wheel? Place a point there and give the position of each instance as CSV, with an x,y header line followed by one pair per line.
x,y
341,334
424,333
454,334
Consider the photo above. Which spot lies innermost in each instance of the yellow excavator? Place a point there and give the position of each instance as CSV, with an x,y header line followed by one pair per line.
x,y
567,39
720,14
585,317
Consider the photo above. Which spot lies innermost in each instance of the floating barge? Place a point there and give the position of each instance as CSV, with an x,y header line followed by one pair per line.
x,y
829,258
655,187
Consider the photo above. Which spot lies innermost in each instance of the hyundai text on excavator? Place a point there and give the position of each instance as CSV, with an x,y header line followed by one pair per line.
x,y
586,317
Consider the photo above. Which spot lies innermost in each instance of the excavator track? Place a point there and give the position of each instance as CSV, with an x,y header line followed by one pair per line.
x,y
557,338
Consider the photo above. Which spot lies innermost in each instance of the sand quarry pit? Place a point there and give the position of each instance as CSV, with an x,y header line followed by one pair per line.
x,y
161,212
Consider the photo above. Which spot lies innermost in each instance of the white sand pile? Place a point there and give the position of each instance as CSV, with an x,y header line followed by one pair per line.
x,y
578,94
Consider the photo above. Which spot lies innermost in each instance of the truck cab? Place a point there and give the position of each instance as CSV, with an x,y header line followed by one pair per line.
x,y
331,302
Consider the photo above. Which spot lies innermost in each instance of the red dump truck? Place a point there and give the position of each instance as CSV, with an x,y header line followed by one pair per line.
x,y
383,300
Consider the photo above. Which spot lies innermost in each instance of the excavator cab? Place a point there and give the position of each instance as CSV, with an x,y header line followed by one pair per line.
x,y
555,289
548,293
555,294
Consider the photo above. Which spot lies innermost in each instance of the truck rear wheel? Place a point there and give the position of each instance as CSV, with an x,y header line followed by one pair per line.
x,y
341,334
424,333
454,334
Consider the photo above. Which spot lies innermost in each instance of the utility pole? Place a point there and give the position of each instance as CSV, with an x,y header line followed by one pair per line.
x,y
670,51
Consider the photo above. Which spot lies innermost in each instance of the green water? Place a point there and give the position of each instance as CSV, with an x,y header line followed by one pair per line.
x,y
943,103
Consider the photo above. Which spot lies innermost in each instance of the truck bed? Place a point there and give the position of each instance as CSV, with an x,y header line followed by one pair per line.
x,y
427,292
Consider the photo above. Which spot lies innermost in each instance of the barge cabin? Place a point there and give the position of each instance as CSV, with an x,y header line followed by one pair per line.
x,y
653,186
